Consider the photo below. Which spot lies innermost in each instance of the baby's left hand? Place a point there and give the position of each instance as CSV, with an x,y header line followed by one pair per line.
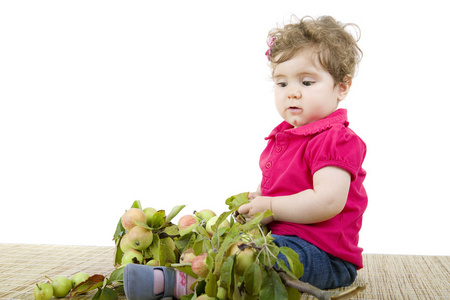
x,y
256,205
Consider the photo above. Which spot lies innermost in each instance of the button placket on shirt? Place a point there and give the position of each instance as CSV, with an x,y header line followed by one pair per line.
x,y
281,142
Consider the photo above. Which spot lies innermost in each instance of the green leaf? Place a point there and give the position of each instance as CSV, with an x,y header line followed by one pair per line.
x,y
119,230
171,230
187,297
97,294
183,242
147,253
231,237
142,224
198,247
93,282
226,276
174,212
120,289
201,230
107,294
282,266
293,294
201,245
154,247
253,279
158,219
236,295
136,204
105,281
211,285
272,287
166,251
261,239
256,220
248,297
118,253
237,200
118,234
116,276
274,250
209,262
294,263
223,216
185,268
200,288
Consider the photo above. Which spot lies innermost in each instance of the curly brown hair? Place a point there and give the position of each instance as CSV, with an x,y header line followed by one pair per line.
x,y
336,48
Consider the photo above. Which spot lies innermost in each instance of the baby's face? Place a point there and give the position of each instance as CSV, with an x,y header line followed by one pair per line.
x,y
304,91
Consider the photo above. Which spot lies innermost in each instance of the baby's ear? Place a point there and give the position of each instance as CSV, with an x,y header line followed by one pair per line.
x,y
344,87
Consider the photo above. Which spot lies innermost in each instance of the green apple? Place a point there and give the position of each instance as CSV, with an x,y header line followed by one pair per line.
x,y
212,221
79,278
245,258
140,238
199,265
149,212
205,297
43,291
153,263
130,216
61,286
205,214
187,223
124,243
187,256
222,293
132,256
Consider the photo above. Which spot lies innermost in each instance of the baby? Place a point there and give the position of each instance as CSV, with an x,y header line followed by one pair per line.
x,y
312,176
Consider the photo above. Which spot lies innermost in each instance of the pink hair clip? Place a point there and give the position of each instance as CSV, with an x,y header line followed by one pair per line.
x,y
270,41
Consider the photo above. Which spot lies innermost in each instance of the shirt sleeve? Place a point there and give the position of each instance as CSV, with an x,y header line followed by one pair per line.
x,y
338,147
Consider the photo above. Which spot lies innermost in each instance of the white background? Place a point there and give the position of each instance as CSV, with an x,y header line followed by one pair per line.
x,y
168,102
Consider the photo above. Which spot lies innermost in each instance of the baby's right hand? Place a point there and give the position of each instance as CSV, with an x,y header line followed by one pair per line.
x,y
253,195
240,218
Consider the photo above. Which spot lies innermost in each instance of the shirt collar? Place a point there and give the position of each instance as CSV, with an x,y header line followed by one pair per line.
x,y
338,117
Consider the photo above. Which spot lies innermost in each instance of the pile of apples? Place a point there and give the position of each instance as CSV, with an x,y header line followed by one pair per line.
x,y
188,223
137,244
229,257
137,238
146,236
60,286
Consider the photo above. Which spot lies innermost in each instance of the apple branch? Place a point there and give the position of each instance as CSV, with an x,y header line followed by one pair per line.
x,y
316,292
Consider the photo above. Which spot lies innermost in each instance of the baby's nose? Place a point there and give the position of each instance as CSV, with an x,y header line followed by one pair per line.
x,y
294,92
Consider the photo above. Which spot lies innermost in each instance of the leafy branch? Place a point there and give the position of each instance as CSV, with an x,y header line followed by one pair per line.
x,y
240,257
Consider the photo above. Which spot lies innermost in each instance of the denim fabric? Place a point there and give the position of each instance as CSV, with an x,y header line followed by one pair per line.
x,y
320,268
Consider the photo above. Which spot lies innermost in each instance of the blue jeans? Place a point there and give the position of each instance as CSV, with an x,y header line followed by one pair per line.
x,y
320,268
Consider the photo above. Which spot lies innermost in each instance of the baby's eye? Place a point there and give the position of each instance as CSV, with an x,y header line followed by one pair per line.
x,y
282,84
307,82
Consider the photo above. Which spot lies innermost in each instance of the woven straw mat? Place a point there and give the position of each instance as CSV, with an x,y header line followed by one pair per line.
x,y
386,276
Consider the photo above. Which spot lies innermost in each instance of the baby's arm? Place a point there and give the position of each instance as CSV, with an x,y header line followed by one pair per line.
x,y
325,200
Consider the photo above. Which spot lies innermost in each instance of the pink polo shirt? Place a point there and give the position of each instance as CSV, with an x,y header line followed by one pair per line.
x,y
288,163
